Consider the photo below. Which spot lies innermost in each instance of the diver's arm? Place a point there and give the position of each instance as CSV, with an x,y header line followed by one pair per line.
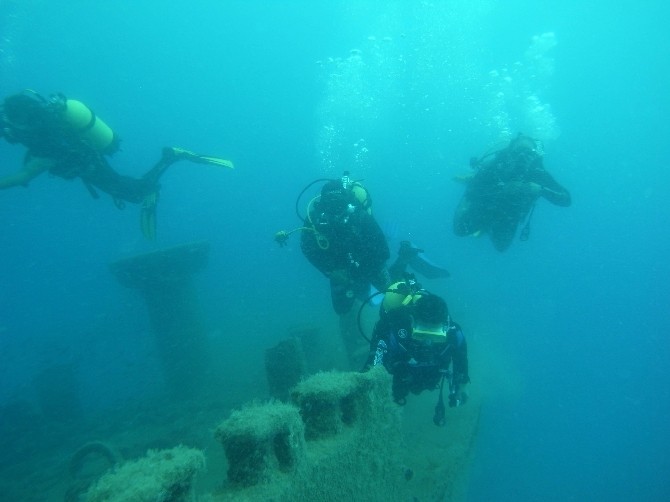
x,y
556,195
321,259
378,347
551,189
33,167
373,245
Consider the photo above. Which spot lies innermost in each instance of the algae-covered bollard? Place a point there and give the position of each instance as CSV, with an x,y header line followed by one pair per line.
x,y
285,365
261,441
160,476
164,278
331,401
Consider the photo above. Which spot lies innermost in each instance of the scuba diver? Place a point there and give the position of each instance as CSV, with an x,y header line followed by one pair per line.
x,y
66,139
418,343
503,191
342,239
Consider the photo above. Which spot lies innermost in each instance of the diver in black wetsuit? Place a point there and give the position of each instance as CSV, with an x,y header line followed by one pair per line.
x,y
65,138
503,191
418,343
343,241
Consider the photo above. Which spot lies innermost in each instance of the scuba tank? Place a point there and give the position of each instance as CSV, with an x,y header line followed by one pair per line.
x,y
359,191
89,127
45,125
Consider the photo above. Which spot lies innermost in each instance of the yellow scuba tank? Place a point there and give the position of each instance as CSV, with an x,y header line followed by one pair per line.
x,y
90,127
362,196
400,294
359,191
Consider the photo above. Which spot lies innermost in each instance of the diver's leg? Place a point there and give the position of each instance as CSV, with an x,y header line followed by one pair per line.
x,y
342,296
502,232
356,347
120,187
154,174
126,189
468,218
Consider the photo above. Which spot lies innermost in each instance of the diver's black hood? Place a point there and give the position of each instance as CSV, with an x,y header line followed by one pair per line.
x,y
25,110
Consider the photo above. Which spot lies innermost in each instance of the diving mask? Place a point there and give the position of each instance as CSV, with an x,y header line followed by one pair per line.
x,y
436,333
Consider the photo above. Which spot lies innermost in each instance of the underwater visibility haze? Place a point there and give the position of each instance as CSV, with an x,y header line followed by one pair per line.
x,y
568,331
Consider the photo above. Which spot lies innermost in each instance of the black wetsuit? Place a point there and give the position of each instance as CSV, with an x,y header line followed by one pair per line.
x,y
488,205
95,172
48,137
350,249
417,365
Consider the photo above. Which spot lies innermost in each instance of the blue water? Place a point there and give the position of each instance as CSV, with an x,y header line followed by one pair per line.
x,y
568,331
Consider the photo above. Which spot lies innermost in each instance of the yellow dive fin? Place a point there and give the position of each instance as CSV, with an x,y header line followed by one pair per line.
x,y
148,216
182,154
215,161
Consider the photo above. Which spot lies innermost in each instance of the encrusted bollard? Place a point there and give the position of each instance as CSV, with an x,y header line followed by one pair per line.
x,y
284,367
354,452
331,401
261,441
160,476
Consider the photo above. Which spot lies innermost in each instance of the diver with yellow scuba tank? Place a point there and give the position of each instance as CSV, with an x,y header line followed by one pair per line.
x,y
342,240
65,138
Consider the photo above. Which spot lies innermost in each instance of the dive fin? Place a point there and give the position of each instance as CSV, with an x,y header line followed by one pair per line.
x,y
148,216
427,269
411,255
183,154
215,161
